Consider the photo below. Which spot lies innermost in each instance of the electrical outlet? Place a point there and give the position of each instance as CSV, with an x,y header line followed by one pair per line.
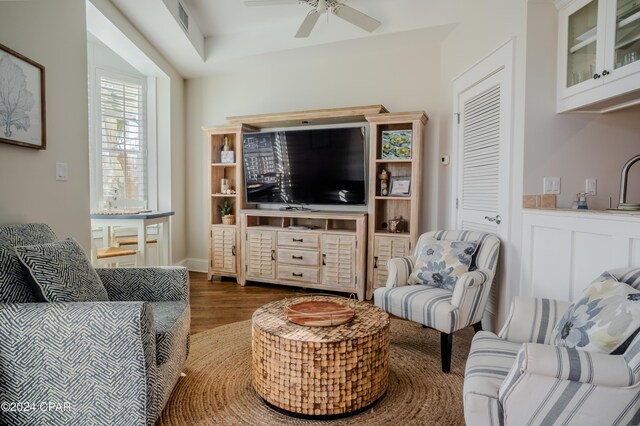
x,y
591,186
552,185
444,160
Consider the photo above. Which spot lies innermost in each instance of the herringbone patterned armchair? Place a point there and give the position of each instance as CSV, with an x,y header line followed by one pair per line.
x,y
105,363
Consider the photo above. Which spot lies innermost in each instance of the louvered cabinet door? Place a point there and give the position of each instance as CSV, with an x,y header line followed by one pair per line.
x,y
338,260
385,248
223,249
260,254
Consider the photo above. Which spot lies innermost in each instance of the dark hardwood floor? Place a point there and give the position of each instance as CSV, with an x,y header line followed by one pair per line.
x,y
215,303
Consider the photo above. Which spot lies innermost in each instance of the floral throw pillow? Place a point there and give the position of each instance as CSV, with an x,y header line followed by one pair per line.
x,y
440,263
605,319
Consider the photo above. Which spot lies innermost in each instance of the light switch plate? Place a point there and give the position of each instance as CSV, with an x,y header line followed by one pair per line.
x,y
591,187
62,172
552,185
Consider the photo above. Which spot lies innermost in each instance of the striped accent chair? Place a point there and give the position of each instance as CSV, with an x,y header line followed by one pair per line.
x,y
105,363
518,377
438,308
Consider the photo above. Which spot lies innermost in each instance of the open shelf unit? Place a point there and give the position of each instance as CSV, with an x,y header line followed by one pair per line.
x,y
224,239
383,244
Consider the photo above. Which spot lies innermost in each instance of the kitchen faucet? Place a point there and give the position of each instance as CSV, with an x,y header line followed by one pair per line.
x,y
624,178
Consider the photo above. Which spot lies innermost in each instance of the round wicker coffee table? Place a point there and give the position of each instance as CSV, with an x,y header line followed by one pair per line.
x,y
320,371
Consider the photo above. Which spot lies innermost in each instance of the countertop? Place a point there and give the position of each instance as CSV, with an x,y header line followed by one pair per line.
x,y
602,213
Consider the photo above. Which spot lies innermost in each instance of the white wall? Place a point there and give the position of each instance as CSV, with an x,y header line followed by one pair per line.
x,y
400,71
572,146
121,36
54,35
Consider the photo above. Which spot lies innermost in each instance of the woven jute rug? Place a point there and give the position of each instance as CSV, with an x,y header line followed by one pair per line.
x,y
217,387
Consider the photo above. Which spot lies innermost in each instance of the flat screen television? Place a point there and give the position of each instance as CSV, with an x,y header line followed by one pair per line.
x,y
306,166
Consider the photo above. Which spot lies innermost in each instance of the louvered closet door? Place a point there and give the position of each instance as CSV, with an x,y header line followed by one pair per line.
x,y
223,246
483,98
482,181
338,260
260,252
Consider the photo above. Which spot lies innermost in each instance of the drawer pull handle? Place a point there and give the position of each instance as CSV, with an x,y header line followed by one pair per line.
x,y
324,259
298,240
375,262
273,255
296,257
297,275
233,250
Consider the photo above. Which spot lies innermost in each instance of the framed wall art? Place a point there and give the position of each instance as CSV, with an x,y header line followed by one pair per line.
x,y
396,144
22,100
400,186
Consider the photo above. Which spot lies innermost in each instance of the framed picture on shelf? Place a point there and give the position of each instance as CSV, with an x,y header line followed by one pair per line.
x,y
396,144
22,100
400,186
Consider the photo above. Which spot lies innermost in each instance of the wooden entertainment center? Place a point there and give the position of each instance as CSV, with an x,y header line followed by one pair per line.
x,y
328,250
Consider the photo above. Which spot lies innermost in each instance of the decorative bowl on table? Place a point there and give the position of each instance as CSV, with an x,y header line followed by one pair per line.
x,y
320,310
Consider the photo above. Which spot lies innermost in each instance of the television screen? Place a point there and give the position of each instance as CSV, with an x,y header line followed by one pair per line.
x,y
306,166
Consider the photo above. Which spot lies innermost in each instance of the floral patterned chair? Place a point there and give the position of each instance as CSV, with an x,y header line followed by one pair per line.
x,y
450,305
520,376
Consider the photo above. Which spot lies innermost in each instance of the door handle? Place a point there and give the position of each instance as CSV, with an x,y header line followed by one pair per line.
x,y
233,250
375,262
273,255
324,259
496,219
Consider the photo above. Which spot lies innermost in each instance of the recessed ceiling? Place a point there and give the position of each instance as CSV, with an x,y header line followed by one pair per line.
x,y
232,30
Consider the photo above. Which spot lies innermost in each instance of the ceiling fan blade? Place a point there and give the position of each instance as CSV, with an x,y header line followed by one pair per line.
x,y
308,24
356,17
270,2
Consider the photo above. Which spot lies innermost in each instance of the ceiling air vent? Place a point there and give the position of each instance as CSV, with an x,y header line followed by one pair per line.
x,y
184,18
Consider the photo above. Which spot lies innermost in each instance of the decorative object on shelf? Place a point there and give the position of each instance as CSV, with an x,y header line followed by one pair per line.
x,y
227,155
581,204
401,186
322,312
22,115
225,212
224,185
397,225
384,182
396,144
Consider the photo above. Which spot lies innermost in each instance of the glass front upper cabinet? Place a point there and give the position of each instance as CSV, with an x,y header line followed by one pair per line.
x,y
583,43
627,38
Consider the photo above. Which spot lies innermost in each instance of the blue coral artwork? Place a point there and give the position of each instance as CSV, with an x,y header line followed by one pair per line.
x,y
396,144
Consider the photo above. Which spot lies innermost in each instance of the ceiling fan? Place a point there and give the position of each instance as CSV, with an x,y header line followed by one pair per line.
x,y
336,7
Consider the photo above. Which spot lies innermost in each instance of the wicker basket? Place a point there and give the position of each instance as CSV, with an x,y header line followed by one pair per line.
x,y
229,219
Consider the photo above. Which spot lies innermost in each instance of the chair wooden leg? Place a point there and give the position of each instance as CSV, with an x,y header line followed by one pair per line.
x,y
446,342
477,326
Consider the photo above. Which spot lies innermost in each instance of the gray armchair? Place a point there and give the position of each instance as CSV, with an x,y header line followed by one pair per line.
x,y
112,363
441,309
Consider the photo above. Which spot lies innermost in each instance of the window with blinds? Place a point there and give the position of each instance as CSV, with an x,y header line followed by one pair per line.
x,y
123,143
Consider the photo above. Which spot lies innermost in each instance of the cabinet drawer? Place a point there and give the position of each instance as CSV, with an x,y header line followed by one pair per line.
x,y
298,239
299,257
298,273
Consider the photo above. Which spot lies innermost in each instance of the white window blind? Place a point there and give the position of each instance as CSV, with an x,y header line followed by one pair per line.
x,y
123,139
